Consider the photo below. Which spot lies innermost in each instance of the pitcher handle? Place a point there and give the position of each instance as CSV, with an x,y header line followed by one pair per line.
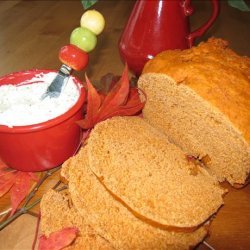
x,y
200,31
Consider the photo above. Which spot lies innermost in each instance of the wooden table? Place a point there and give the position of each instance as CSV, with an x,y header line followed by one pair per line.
x,y
31,33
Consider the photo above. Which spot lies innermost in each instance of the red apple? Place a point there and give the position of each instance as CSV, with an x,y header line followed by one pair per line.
x,y
73,57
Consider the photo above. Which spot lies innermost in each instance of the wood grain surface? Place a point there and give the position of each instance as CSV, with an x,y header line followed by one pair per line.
x,y
32,32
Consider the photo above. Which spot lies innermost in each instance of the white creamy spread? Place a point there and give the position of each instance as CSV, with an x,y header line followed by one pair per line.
x,y
21,104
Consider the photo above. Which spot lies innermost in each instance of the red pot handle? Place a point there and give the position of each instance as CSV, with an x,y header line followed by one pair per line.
x,y
188,10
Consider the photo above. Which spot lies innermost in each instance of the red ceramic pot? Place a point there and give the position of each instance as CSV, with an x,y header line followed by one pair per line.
x,y
159,25
45,145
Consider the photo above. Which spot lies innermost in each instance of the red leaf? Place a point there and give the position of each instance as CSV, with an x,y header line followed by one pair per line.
x,y
20,189
7,178
132,107
6,186
17,182
6,173
118,94
3,168
33,176
134,99
58,240
107,82
125,111
94,102
121,100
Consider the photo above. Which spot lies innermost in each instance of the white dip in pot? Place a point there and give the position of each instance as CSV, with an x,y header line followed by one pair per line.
x,y
21,105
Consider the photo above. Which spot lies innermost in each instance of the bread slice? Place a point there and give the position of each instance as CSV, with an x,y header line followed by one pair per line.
x,y
150,175
200,98
64,174
57,212
114,221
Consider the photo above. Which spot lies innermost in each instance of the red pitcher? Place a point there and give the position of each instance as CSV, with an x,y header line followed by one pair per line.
x,y
157,25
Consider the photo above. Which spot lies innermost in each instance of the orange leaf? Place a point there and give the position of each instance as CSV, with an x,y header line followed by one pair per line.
x,y
6,186
126,112
94,103
118,94
132,107
6,173
17,182
33,176
120,100
3,167
20,189
7,178
107,82
58,240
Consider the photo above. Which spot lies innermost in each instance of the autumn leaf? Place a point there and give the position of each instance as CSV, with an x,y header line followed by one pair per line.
x,y
118,94
94,103
4,168
6,185
107,82
16,182
20,189
121,100
58,240
133,106
7,178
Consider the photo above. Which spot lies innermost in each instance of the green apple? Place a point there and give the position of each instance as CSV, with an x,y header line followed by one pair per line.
x,y
93,20
83,38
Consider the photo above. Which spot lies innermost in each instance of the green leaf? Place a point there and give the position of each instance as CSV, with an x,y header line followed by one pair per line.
x,y
239,4
88,3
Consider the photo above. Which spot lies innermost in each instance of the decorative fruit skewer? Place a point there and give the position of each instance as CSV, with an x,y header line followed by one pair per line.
x,y
74,56
82,40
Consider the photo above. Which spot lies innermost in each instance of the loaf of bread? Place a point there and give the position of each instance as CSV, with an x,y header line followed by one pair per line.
x,y
200,98
152,182
133,189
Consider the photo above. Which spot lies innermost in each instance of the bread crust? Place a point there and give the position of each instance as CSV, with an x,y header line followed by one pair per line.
x,y
214,72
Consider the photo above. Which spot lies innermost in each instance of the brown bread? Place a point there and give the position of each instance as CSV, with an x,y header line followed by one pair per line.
x,y
200,98
150,175
58,212
114,221
180,192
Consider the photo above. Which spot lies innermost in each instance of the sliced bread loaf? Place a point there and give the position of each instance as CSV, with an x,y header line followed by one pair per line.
x,y
151,176
111,219
200,98
58,212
